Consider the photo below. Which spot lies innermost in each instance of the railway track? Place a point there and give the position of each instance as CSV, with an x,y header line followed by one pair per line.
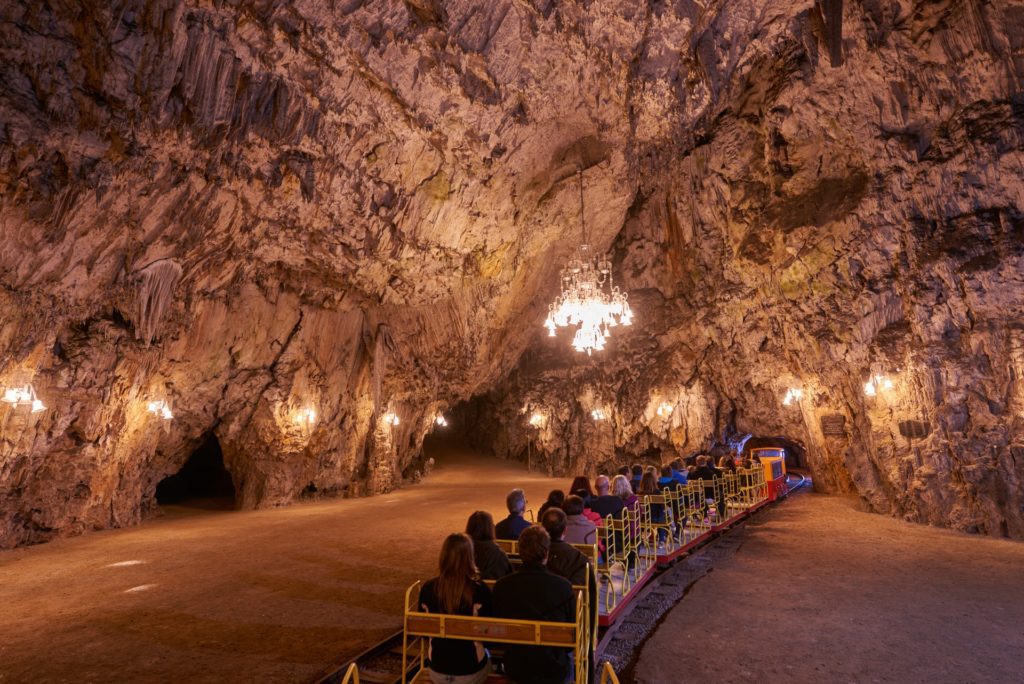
x,y
382,662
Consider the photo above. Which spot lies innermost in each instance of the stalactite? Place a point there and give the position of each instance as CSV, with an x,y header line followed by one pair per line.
x,y
155,293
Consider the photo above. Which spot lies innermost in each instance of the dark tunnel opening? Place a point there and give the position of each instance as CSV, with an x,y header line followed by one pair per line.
x,y
202,482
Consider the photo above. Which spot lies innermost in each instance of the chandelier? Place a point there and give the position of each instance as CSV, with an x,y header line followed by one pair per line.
x,y
589,299
23,396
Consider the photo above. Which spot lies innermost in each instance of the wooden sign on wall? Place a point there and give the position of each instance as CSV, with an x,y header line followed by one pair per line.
x,y
914,429
833,424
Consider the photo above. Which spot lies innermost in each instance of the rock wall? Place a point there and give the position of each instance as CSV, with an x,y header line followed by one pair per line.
x,y
818,227
257,209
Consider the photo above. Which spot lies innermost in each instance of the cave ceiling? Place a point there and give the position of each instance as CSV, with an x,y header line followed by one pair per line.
x,y
253,210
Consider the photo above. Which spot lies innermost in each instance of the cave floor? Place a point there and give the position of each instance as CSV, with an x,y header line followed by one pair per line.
x,y
822,592
201,595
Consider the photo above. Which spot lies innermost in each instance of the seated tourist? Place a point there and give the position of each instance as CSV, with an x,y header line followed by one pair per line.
x,y
635,475
515,523
555,500
622,489
567,562
667,479
748,462
581,488
456,591
727,462
578,528
534,593
704,470
650,486
563,559
707,472
678,471
491,561
605,504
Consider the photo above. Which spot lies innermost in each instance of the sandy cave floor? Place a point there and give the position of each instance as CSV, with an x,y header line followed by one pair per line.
x,y
280,595
822,592
222,596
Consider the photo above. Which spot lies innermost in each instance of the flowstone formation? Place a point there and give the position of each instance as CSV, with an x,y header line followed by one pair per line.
x,y
356,211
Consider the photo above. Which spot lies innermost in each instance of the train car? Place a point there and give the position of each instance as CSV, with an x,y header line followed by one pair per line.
x,y
773,459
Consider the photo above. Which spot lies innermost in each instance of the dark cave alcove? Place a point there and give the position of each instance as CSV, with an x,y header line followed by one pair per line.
x,y
202,480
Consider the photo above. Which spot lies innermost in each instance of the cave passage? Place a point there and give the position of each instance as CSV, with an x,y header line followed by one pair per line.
x,y
202,481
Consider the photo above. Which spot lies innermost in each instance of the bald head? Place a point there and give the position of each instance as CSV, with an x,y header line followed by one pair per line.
x,y
602,485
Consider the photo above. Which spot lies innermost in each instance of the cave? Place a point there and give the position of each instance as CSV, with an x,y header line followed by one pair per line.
x,y
411,254
202,481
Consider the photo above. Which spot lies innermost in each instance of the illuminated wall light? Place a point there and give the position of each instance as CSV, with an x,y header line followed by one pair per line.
x,y
160,408
876,384
537,419
597,414
441,421
391,419
306,417
793,395
664,409
23,396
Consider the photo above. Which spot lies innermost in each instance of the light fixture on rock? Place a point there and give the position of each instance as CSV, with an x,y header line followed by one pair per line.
x,y
665,409
597,414
23,396
440,421
160,407
588,299
876,384
391,418
793,395
537,419
306,417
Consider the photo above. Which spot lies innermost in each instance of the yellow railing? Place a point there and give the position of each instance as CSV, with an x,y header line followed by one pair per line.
x,y
352,675
574,635
608,675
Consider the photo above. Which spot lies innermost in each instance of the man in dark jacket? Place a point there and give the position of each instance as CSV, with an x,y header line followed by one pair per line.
x,y
512,526
605,504
567,562
534,593
707,472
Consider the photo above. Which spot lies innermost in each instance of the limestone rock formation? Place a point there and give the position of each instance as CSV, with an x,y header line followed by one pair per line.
x,y
254,210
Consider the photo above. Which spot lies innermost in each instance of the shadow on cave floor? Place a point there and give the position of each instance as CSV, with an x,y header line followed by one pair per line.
x,y
203,483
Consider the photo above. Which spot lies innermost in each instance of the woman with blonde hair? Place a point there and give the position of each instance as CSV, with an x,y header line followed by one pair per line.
x,y
457,590
624,490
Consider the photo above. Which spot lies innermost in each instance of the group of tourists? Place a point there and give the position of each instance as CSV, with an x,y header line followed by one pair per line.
x,y
541,589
